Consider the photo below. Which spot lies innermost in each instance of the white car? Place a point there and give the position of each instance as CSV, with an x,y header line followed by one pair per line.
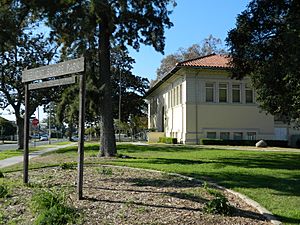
x,y
44,138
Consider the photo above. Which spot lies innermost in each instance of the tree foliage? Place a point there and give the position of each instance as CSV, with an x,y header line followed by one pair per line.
x,y
90,27
208,46
20,48
132,89
265,45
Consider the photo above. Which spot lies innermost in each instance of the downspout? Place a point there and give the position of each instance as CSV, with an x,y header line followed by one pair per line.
x,y
182,114
196,101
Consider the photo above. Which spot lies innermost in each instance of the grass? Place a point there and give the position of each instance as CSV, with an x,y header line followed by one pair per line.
x,y
270,178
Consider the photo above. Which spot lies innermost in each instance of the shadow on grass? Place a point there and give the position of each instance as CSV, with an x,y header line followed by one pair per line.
x,y
268,161
153,148
74,149
289,184
284,219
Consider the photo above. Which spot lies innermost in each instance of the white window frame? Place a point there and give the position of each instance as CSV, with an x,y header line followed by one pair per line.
x,y
249,88
210,86
226,90
225,132
234,88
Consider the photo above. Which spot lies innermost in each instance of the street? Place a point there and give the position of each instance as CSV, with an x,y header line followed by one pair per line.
x,y
31,144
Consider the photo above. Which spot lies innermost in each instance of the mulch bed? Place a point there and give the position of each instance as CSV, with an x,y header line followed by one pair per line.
x,y
126,196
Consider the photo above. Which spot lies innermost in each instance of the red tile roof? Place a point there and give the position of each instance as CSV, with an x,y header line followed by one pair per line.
x,y
211,61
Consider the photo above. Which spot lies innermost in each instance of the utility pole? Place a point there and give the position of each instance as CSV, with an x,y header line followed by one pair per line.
x,y
120,99
49,122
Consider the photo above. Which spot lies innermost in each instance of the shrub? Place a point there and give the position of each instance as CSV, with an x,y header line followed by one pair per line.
x,y
58,214
1,174
3,191
167,140
105,171
271,143
51,208
67,166
218,205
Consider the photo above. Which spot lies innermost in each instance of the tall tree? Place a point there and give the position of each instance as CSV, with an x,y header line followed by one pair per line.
x,y
265,45
208,46
128,89
89,27
131,87
20,49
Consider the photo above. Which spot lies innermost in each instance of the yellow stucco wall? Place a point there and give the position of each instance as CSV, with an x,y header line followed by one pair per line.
x,y
227,118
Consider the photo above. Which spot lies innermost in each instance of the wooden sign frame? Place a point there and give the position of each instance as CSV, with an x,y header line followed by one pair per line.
x,y
52,71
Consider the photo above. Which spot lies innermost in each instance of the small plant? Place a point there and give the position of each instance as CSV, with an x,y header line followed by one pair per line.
x,y
67,166
218,205
1,174
3,191
105,171
2,218
52,208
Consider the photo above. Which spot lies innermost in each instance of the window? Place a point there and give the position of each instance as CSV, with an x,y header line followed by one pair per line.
x,y
251,135
249,94
180,94
236,93
222,92
237,136
225,135
212,135
153,106
175,96
209,92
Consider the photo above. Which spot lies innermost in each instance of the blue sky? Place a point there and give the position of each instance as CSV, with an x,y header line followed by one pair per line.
x,y
194,20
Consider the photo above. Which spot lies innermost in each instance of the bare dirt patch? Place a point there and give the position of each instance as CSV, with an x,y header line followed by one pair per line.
x,y
124,196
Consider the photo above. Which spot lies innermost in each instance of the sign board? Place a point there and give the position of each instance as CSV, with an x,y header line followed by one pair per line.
x,y
56,70
35,122
52,83
52,71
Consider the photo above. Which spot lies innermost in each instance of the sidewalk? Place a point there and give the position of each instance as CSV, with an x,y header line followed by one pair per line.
x,y
19,159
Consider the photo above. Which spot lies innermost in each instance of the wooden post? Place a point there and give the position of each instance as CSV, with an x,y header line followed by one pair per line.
x,y
26,136
81,135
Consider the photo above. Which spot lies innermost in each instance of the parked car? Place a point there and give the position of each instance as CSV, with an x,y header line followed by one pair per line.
x,y
76,138
34,136
44,138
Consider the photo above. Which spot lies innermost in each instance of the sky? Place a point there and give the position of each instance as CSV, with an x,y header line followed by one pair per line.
x,y
194,20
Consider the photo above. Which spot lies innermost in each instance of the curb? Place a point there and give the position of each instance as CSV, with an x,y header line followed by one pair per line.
x,y
266,213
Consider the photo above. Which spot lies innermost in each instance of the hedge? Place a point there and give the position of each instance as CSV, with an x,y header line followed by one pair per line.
x,y
270,143
167,140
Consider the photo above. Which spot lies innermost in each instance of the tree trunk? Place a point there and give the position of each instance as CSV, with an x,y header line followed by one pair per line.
x,y
20,127
107,140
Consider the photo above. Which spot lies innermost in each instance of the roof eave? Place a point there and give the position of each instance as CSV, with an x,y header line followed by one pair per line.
x,y
162,80
175,69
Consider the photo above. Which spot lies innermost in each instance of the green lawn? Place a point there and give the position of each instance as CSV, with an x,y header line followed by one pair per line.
x,y
270,178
